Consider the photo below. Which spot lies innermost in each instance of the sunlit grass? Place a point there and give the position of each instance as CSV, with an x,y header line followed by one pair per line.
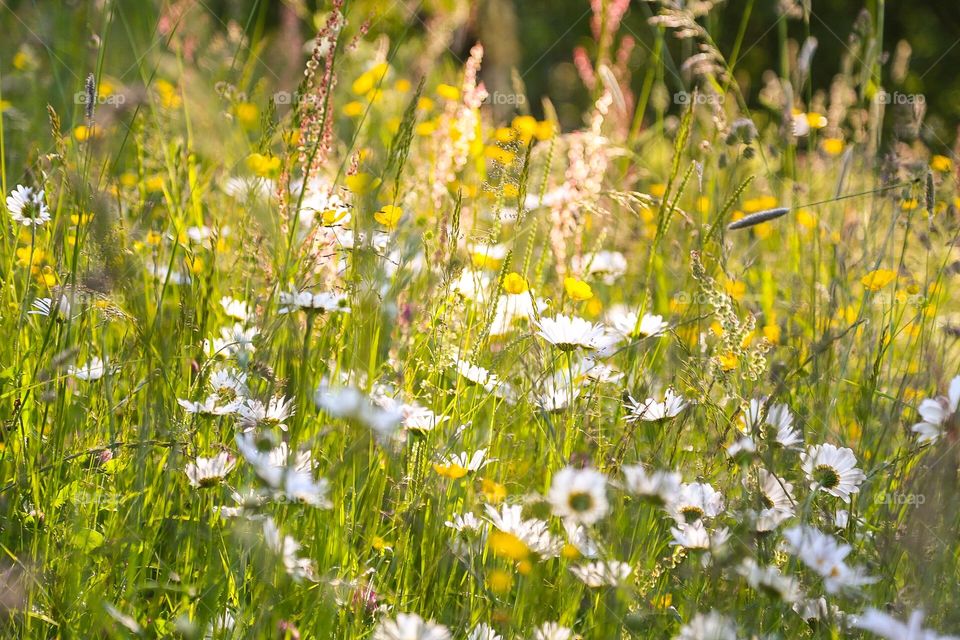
x,y
361,359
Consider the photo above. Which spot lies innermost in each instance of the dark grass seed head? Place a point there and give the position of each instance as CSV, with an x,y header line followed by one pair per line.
x,y
758,218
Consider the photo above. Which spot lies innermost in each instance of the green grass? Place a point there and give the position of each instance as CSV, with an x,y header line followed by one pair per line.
x,y
842,310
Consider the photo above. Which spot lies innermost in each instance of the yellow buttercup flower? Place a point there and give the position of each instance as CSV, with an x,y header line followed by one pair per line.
x,y
264,166
594,307
942,164
728,361
247,114
499,581
878,279
154,183
83,132
369,79
735,289
168,94
514,283
426,128
545,130
448,92
389,216
816,120
353,109
772,333
22,60
504,135
832,146
753,205
493,491
499,155
577,289
806,219
361,183
526,127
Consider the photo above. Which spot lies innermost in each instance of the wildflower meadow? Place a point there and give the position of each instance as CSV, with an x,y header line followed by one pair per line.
x,y
318,323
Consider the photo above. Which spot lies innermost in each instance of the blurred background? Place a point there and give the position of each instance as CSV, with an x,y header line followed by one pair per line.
x,y
531,43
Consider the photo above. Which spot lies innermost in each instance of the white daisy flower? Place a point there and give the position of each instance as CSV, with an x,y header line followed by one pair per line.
x,y
600,574
483,631
235,340
579,495
533,532
93,370
410,626
824,555
420,419
247,506
236,309
553,631
487,255
300,486
743,446
579,536
461,522
471,284
162,273
254,413
769,580
288,548
937,413
627,324
887,626
608,266
513,310
695,535
322,301
468,462
289,479
242,188
330,207
813,609
651,410
199,234
569,333
695,501
660,486
48,306
476,374
27,206
598,372
555,394
210,406
710,626
207,472
778,501
228,382
778,419
841,518
350,403
833,470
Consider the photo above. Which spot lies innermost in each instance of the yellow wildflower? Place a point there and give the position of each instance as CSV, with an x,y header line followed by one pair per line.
x,y
878,279
577,289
